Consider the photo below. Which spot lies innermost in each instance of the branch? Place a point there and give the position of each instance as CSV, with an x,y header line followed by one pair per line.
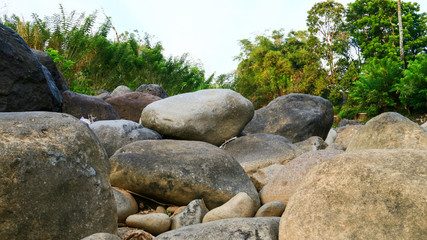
x,y
111,24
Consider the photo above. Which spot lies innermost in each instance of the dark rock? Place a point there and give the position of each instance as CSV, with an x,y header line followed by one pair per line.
x,y
58,77
346,122
153,89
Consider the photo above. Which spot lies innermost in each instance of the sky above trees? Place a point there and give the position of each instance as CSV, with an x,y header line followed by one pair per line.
x,y
208,30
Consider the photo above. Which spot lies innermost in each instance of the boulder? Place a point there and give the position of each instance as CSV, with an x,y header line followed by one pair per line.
x,y
213,115
80,105
114,134
102,236
125,203
234,228
54,180
238,206
154,223
346,122
192,214
371,194
294,116
388,131
258,151
180,171
130,105
271,209
345,136
285,183
265,175
58,77
120,90
153,89
311,144
26,85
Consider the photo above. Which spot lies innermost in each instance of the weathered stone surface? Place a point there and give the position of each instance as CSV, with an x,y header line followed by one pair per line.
x,y
130,105
102,236
213,115
388,131
53,178
46,60
120,90
335,146
234,228
258,151
154,223
265,175
239,206
24,85
311,144
114,134
180,171
284,184
153,89
192,214
345,136
294,116
80,105
126,233
271,209
125,203
332,135
347,122
371,194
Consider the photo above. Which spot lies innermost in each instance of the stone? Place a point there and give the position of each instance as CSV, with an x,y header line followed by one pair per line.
x,y
265,175
258,151
294,116
161,209
284,184
332,135
104,95
130,105
347,122
239,206
102,236
177,172
234,228
370,194
311,144
114,134
26,85
126,233
389,131
58,77
335,146
125,203
424,125
80,105
345,136
212,115
192,214
153,89
271,209
154,223
54,181
120,90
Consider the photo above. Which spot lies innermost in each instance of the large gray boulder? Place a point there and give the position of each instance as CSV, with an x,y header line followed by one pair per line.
x,y
54,180
153,89
388,131
265,228
120,90
213,115
371,194
114,134
25,84
180,171
294,116
58,77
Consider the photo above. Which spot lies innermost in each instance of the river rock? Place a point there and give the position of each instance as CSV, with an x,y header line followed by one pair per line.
x,y
130,105
371,194
126,204
58,77
126,233
213,115
234,228
178,172
388,131
347,122
120,90
332,135
294,116
192,214
102,236
271,209
154,223
265,175
114,134
153,89
54,180
311,144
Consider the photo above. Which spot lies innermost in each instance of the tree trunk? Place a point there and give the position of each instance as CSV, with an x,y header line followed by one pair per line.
x,y
399,14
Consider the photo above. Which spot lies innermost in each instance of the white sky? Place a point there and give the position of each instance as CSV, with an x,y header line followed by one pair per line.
x,y
209,30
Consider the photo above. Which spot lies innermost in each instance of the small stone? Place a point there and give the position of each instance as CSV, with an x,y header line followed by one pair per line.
x,y
102,236
172,209
271,209
126,233
154,223
160,209
126,204
240,205
192,214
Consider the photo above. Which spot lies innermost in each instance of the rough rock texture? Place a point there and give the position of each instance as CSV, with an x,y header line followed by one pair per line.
x,y
347,122
265,175
258,151
271,209
345,136
102,236
114,134
234,228
239,206
153,89
192,214
46,60
24,85
120,90
294,116
126,233
53,178
213,115
371,194
311,144
80,105
154,223
387,131
126,204
285,183
179,172
130,105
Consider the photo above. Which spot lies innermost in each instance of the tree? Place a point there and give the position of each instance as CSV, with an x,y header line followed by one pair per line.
x,y
399,15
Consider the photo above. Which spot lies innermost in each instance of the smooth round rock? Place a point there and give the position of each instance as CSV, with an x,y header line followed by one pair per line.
x,y
154,223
